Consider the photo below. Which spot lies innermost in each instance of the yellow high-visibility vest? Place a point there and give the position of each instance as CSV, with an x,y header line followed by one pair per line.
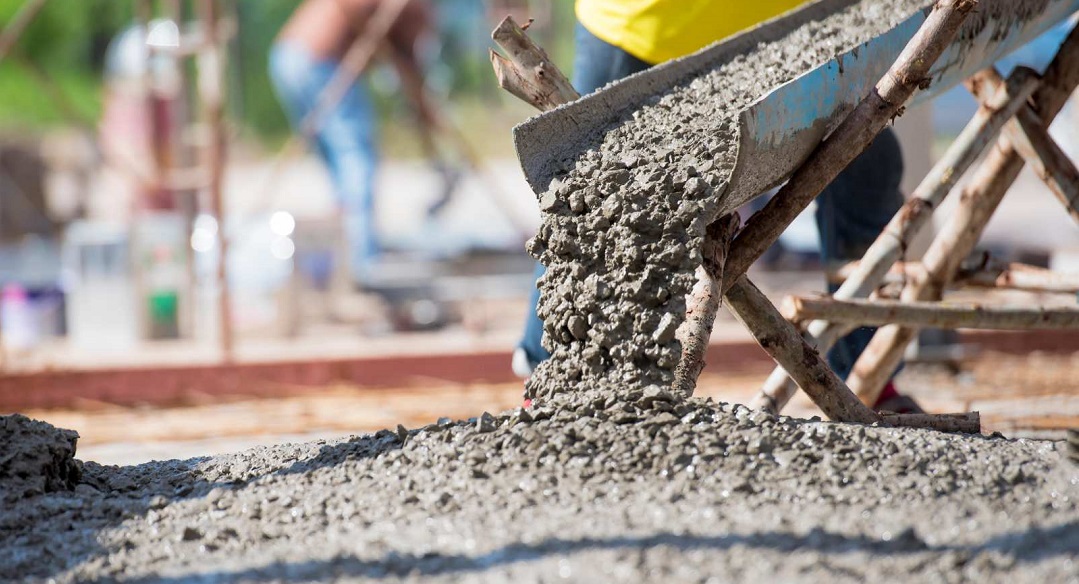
x,y
659,30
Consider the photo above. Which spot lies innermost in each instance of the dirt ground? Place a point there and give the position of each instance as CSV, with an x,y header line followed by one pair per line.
x,y
1020,397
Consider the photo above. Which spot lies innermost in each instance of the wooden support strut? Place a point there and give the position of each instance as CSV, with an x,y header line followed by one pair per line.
x,y
987,273
911,220
528,72
785,344
212,94
960,234
17,25
1033,142
928,314
703,304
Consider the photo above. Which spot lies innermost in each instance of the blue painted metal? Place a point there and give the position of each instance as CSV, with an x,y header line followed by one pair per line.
x,y
780,130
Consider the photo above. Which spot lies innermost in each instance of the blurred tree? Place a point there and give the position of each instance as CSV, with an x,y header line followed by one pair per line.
x,y
67,42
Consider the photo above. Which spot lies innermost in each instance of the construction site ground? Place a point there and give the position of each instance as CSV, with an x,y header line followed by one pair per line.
x,y
1017,396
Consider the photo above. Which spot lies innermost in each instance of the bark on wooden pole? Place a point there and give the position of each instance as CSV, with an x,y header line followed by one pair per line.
x,y
929,314
911,220
967,423
987,274
960,234
1033,142
526,71
909,73
785,344
703,304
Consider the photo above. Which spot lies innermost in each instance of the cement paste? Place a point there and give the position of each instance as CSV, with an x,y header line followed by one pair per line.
x,y
35,458
623,224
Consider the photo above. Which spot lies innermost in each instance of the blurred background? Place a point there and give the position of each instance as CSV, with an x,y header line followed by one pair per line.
x,y
140,138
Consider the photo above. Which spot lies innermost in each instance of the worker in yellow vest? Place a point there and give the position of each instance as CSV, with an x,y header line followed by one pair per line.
x,y
616,38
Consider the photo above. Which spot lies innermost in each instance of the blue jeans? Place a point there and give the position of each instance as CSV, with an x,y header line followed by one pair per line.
x,y
851,212
346,142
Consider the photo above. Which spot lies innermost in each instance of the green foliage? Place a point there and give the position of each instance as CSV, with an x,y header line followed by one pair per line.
x,y
253,96
67,41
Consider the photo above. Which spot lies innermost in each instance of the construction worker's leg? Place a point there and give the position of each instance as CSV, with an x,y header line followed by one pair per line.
x,y
596,64
851,213
290,69
345,141
348,140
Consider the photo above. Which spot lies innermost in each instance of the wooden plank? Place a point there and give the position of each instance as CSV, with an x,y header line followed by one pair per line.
x,y
929,314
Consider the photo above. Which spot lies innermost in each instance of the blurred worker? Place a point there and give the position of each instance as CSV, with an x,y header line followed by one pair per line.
x,y
616,38
306,56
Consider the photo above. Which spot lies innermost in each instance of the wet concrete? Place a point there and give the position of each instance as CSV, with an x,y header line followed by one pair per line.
x,y
35,458
623,221
653,490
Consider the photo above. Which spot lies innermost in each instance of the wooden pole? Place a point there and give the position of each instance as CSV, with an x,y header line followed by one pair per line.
x,y
911,220
785,344
17,25
929,314
987,274
909,73
1033,142
777,336
964,227
967,423
528,72
211,92
703,304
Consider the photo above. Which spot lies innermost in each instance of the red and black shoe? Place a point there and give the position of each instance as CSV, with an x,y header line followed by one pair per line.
x,y
891,400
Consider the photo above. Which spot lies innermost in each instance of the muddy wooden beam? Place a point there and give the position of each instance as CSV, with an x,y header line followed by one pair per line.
x,y
853,136
967,423
703,304
526,71
911,220
929,314
964,227
785,344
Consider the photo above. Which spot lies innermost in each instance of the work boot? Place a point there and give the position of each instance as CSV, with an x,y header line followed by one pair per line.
x,y
891,400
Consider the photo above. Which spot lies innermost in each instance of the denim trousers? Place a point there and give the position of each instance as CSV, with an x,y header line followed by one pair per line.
x,y
851,212
346,143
